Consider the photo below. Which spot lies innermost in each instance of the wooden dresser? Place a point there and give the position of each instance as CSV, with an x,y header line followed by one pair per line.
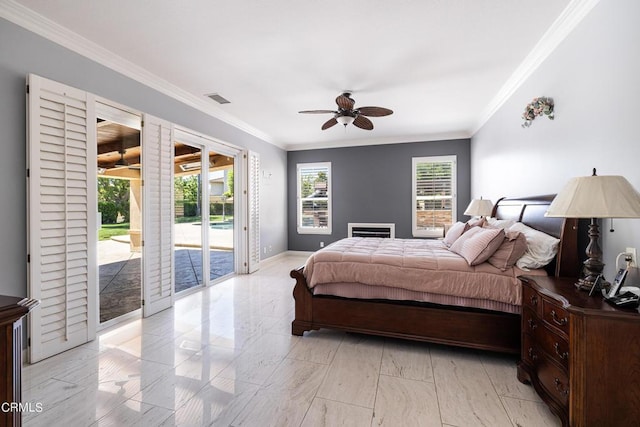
x,y
581,354
12,310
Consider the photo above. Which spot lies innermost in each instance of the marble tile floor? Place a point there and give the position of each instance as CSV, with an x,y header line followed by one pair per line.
x,y
225,357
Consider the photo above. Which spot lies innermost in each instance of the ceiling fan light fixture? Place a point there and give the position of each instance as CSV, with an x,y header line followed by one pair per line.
x,y
121,161
345,120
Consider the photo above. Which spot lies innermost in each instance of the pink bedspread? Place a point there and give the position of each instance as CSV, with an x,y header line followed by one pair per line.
x,y
415,264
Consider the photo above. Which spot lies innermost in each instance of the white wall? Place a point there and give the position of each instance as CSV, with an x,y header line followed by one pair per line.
x,y
594,78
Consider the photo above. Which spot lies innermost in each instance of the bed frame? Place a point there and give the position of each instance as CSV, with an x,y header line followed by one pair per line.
x,y
459,326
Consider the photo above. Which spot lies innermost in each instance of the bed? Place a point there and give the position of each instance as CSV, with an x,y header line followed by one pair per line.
x,y
472,327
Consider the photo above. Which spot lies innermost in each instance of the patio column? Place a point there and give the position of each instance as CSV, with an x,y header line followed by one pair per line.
x,y
135,214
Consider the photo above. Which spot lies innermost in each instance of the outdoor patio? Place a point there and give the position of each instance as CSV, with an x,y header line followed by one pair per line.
x,y
120,269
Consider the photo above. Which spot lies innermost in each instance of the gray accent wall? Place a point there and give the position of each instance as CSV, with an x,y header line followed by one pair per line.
x,y
593,77
23,52
372,184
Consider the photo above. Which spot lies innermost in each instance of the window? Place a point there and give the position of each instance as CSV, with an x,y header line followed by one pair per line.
x,y
314,198
433,195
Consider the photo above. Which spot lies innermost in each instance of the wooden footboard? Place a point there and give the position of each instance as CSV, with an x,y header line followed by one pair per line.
x,y
486,330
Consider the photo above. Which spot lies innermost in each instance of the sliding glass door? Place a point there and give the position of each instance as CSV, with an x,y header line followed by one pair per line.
x,y
221,210
119,194
188,215
204,226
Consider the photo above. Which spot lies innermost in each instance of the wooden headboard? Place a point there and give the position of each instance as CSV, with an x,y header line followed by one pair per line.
x,y
530,211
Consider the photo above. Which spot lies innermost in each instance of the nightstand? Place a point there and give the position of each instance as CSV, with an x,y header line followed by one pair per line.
x,y
581,355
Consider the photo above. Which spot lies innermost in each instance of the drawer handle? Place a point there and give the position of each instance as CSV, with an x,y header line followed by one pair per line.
x,y
532,324
556,320
532,355
534,299
562,356
561,389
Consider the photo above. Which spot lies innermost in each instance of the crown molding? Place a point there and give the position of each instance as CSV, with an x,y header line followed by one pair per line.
x,y
568,20
38,24
443,136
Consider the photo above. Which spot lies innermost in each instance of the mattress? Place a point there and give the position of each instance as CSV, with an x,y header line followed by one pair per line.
x,y
412,269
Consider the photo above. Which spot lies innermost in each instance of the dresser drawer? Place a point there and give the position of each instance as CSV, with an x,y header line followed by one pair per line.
x,y
530,322
553,379
555,316
530,350
530,299
556,346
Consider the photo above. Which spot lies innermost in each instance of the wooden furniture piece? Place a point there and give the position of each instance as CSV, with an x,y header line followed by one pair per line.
x,y
581,354
473,328
12,310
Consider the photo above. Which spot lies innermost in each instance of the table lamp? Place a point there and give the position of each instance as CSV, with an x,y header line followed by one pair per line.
x,y
479,207
595,197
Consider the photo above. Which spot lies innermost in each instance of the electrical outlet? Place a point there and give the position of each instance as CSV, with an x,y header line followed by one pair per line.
x,y
633,253
322,244
264,250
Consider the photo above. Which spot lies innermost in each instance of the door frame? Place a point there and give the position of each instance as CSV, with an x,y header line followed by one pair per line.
x,y
123,115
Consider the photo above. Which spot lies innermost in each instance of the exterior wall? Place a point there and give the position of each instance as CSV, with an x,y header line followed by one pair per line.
x,y
22,52
593,78
372,184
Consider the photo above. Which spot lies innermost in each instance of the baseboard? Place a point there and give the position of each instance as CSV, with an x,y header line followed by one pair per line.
x,y
305,253
274,258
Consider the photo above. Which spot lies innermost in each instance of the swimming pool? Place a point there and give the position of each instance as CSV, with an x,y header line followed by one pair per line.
x,y
226,225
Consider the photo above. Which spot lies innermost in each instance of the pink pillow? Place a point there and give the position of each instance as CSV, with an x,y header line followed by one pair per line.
x,y
478,222
455,232
478,244
511,249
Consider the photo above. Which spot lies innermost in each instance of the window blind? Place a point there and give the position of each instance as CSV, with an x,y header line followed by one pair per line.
x,y
314,198
434,195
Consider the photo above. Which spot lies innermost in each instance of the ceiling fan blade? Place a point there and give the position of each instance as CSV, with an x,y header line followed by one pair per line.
x,y
329,123
363,123
374,111
318,112
345,102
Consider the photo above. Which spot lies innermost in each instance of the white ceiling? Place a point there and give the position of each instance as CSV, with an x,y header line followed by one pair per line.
x,y
442,66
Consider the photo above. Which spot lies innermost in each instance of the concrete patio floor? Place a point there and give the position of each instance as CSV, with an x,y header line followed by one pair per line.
x,y
120,269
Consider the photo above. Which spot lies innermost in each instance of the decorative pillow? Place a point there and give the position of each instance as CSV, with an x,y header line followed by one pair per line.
x,y
477,222
541,248
454,232
499,223
512,248
478,244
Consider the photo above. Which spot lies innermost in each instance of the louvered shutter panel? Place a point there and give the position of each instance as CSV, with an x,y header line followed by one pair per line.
x,y
434,195
157,162
62,210
253,210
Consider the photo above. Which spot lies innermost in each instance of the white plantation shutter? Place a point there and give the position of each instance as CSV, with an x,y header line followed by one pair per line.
x,y
157,233
314,198
62,209
253,210
434,195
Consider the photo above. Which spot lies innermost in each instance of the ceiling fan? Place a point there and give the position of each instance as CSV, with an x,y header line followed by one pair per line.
x,y
347,114
122,162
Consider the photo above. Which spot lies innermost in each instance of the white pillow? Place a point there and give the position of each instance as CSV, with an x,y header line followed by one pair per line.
x,y
454,232
541,248
500,223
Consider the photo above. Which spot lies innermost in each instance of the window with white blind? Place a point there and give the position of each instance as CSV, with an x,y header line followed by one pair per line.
x,y
433,195
314,198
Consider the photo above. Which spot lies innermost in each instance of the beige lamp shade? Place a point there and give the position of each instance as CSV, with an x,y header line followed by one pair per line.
x,y
479,207
596,197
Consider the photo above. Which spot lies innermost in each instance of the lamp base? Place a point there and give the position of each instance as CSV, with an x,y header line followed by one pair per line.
x,y
593,266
